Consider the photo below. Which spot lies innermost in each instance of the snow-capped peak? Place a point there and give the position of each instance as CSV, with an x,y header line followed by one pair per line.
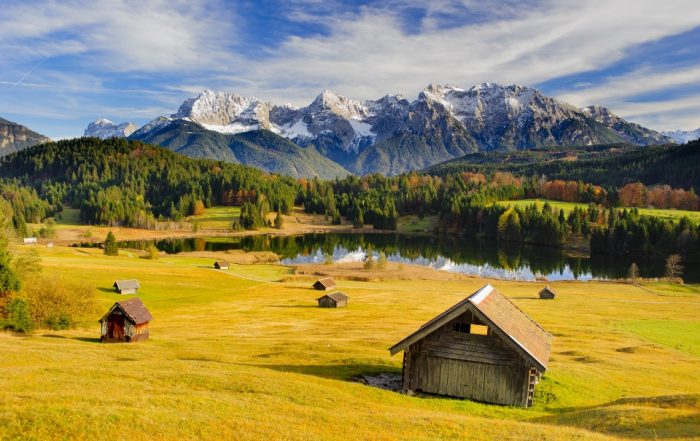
x,y
338,105
104,128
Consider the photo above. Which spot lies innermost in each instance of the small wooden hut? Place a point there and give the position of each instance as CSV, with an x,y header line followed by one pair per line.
x,y
126,321
483,348
547,293
333,300
324,284
29,241
221,265
129,286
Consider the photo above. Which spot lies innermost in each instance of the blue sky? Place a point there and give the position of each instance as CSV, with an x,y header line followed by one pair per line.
x,y
65,63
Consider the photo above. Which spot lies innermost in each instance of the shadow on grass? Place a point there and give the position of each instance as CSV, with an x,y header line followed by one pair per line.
x,y
88,339
345,372
53,336
636,418
107,290
292,306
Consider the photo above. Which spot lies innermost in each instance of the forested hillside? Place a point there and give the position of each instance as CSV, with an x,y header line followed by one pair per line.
x,y
119,182
613,165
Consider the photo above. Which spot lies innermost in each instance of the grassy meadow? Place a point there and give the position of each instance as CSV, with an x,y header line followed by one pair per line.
x,y
245,354
569,206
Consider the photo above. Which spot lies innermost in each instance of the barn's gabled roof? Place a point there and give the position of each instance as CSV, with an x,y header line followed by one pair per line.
x,y
337,296
547,289
127,284
222,263
497,311
327,282
134,309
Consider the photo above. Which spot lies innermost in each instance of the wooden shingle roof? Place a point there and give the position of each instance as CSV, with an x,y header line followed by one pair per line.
x,y
222,263
497,311
337,296
328,282
134,309
127,284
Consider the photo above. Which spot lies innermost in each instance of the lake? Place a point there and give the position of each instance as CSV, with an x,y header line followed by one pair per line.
x,y
445,253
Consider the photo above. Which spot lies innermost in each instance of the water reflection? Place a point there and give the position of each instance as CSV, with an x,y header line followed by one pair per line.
x,y
467,256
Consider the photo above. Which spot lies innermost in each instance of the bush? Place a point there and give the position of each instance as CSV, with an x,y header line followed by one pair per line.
x,y
151,252
18,316
369,261
57,304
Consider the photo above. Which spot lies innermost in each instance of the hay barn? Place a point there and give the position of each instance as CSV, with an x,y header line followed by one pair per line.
x,y
484,348
126,321
334,300
547,293
130,286
221,265
325,284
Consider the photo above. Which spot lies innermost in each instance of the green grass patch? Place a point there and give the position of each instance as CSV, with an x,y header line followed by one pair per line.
x,y
217,217
569,206
414,224
681,335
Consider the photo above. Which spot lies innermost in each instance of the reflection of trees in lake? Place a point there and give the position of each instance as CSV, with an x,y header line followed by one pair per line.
x,y
538,259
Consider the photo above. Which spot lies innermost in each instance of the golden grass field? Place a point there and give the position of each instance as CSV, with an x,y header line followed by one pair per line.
x,y
239,354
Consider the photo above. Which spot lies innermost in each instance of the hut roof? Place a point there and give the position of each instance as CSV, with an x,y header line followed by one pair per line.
x,y
134,309
127,284
512,324
222,263
328,282
337,296
547,289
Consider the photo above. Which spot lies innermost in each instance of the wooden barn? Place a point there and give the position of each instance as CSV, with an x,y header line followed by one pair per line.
x,y
324,284
126,321
547,293
129,286
29,241
484,348
221,265
333,300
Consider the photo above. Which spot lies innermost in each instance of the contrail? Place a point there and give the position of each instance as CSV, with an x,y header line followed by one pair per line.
x,y
21,80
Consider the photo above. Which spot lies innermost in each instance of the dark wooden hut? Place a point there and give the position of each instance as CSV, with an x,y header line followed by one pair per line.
x,y
483,348
324,284
333,300
547,293
126,321
126,286
221,265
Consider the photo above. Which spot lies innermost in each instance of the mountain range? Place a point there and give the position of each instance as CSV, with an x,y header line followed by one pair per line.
x,y
682,136
335,135
391,135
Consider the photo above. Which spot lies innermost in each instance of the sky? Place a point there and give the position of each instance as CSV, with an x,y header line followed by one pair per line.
x,y
64,63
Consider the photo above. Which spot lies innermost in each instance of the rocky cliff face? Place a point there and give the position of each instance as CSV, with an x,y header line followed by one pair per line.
x,y
629,132
14,137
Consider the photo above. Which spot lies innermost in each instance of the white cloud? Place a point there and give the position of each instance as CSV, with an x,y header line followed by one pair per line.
x,y
120,35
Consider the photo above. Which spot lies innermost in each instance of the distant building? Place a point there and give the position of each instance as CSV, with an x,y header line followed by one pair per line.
x,y
547,293
484,348
221,265
126,321
126,286
49,245
30,240
324,284
333,300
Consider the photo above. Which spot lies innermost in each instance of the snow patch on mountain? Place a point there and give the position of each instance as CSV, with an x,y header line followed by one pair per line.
x,y
103,128
682,136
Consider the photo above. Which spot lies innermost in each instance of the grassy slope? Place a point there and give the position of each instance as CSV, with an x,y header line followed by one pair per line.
x,y
568,206
237,355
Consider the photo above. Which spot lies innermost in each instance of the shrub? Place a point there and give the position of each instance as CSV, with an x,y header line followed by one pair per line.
x,y
151,252
57,304
382,261
18,316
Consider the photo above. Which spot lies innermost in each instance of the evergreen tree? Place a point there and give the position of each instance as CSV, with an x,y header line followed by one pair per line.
x,y
111,248
278,221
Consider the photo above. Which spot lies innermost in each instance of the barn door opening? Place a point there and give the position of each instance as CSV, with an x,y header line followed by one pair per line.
x,y
115,327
